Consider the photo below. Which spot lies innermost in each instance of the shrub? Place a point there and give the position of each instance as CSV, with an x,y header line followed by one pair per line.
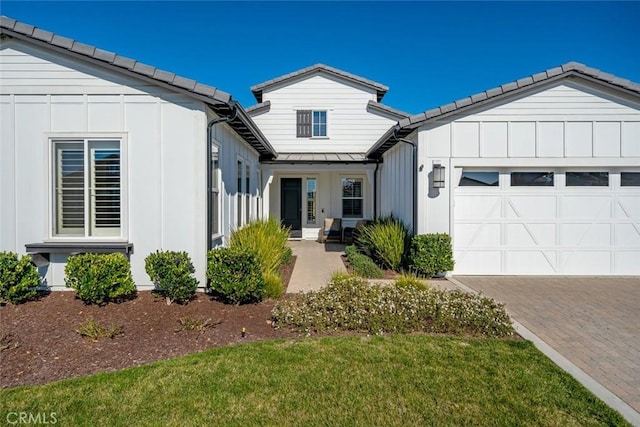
x,y
268,239
235,275
172,274
386,240
99,278
18,278
349,303
431,254
361,264
273,287
287,256
96,330
410,281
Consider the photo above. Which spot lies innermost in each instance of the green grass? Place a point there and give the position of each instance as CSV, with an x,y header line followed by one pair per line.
x,y
390,380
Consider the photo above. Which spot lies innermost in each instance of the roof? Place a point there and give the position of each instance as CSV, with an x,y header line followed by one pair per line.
x,y
385,109
569,70
378,87
292,158
258,109
221,102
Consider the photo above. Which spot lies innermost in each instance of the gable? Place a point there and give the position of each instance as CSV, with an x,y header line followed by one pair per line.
x,y
25,68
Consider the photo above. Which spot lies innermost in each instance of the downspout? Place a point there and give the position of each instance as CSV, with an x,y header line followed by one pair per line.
x,y
414,181
210,125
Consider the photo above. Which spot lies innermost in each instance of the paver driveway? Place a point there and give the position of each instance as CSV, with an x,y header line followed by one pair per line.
x,y
592,321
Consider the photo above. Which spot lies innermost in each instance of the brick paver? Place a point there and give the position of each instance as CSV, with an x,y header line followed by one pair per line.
x,y
592,321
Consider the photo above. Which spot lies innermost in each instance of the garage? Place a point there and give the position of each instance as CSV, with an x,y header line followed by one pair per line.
x,y
547,221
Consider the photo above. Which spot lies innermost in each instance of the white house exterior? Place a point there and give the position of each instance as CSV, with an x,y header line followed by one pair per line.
x,y
100,153
321,121
542,175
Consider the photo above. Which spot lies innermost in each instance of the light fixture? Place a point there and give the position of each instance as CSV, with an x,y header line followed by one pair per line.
x,y
438,175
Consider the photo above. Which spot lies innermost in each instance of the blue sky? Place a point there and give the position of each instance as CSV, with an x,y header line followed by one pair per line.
x,y
428,53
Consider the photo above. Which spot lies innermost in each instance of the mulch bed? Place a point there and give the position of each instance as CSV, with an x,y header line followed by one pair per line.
x,y
39,342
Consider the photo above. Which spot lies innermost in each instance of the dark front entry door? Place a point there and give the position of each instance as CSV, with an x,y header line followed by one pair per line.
x,y
291,202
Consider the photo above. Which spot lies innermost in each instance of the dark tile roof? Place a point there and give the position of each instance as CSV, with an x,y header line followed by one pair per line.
x,y
376,106
221,102
570,69
260,108
379,88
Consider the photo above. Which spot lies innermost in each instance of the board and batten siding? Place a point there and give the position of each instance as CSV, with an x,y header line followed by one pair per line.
x,y
233,149
396,195
350,127
163,134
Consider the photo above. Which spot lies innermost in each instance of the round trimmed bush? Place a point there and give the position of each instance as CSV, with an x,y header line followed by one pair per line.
x,y
235,275
171,272
100,278
18,278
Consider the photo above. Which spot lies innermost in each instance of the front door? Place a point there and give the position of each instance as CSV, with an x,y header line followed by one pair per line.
x,y
291,202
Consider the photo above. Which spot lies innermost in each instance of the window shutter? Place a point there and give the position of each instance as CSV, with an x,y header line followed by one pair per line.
x,y
303,123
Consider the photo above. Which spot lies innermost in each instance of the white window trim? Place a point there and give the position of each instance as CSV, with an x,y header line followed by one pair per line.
x,y
219,233
305,207
49,139
327,109
363,198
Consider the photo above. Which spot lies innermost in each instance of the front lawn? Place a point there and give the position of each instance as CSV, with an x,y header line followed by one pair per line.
x,y
388,380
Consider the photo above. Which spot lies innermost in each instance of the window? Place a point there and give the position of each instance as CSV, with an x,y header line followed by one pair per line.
x,y
239,195
87,194
532,179
247,195
259,194
630,179
587,179
310,123
215,190
311,200
352,197
319,123
479,179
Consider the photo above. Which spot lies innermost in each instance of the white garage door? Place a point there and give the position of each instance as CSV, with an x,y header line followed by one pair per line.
x,y
547,222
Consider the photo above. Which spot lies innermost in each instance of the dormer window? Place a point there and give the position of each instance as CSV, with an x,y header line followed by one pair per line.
x,y
311,123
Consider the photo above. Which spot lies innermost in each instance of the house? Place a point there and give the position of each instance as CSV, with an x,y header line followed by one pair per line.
x,y
538,176
321,121
102,153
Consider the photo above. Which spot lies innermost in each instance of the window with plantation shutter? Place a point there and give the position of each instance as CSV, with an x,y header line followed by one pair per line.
x,y
87,193
352,197
303,123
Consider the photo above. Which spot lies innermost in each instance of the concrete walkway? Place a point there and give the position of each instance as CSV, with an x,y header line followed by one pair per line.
x,y
589,326
315,264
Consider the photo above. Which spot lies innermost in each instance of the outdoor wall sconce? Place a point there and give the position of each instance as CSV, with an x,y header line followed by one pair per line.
x,y
438,175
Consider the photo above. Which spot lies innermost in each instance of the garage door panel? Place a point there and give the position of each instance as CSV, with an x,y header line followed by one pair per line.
x,y
628,207
588,234
529,206
483,207
585,207
530,234
585,262
627,235
572,230
627,262
478,262
530,262
479,234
